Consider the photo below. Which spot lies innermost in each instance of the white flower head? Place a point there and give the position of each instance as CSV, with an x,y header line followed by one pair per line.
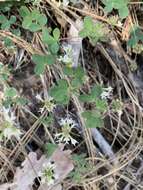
x,y
67,125
67,58
8,124
107,93
8,115
67,48
47,173
48,103
68,122
12,131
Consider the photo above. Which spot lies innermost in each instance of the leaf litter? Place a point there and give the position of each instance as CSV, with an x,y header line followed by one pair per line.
x,y
25,175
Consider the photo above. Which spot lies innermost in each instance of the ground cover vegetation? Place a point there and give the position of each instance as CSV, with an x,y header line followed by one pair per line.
x,y
71,95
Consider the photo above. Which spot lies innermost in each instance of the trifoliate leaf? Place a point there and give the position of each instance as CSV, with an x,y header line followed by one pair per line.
x,y
120,5
46,37
41,61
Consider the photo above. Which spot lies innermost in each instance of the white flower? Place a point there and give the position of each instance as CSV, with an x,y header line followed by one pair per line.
x,y
67,58
12,131
47,173
64,137
107,93
68,122
8,115
47,104
8,124
67,48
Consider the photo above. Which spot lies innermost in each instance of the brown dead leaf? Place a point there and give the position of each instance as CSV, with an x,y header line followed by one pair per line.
x,y
24,177
31,166
63,162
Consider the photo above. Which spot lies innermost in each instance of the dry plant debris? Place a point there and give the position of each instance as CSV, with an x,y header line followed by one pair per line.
x,y
71,98
31,167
